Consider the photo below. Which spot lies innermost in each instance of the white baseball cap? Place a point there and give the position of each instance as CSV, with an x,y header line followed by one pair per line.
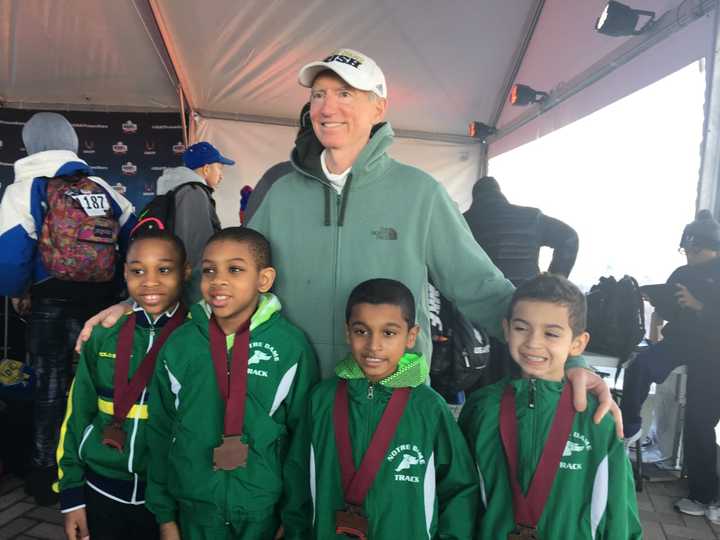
x,y
356,69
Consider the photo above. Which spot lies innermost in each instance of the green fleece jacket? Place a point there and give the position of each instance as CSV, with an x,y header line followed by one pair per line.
x,y
81,455
593,496
392,221
425,488
187,414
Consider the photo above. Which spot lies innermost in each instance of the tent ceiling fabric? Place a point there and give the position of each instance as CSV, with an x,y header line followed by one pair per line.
x,y
444,62
79,52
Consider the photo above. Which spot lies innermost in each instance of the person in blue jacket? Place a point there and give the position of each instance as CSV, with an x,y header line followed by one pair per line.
x,y
45,278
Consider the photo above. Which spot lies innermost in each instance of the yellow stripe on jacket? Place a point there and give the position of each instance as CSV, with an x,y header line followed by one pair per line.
x,y
60,452
137,411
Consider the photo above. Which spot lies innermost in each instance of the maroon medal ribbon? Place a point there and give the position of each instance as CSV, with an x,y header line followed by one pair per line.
x,y
356,484
528,510
232,377
126,392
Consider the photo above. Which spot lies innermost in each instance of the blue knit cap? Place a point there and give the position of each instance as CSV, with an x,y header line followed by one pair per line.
x,y
49,131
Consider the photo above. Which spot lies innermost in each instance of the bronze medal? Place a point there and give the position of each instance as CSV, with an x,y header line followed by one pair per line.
x,y
351,522
523,533
231,454
114,435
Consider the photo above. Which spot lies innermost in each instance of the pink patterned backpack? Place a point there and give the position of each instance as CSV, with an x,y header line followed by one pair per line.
x,y
78,240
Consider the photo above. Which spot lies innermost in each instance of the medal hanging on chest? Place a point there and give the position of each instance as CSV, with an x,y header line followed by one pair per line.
x,y
126,392
114,435
352,521
528,509
232,384
523,533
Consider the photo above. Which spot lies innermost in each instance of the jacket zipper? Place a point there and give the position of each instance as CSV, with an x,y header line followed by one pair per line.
x,y
370,430
531,406
531,394
228,360
336,277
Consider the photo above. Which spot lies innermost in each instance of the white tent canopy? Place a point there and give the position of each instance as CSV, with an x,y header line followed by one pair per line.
x,y
447,63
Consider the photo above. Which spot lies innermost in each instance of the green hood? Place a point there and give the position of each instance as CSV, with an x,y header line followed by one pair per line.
x,y
268,305
412,371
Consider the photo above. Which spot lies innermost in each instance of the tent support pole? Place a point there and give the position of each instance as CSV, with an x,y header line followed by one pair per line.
x,y
518,58
483,163
708,185
182,116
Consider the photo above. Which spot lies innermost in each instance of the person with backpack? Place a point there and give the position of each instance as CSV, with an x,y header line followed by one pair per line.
x,y
63,238
193,216
690,338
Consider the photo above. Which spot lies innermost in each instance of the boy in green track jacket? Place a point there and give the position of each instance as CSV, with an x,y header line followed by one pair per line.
x,y
421,482
102,482
215,472
572,479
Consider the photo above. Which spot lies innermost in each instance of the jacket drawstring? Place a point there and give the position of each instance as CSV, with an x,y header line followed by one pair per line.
x,y
326,190
345,197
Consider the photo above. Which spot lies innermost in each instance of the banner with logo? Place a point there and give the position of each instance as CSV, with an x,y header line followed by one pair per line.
x,y
128,150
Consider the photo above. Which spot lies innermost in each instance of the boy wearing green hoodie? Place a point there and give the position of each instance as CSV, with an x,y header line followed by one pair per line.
x,y
547,472
103,451
230,388
387,460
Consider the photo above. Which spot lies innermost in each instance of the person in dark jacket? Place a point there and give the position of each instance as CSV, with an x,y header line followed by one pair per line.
x,y
512,235
690,339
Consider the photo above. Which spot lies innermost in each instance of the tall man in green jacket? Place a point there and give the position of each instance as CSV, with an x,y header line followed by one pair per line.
x,y
347,212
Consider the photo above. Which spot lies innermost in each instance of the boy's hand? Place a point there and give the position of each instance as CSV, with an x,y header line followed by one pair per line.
x,y
76,525
107,317
22,305
169,531
280,533
583,381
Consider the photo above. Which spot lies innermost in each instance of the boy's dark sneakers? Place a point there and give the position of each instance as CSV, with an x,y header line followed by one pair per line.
x,y
39,484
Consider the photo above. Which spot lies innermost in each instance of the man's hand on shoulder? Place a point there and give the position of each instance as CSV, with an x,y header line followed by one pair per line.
x,y
107,317
583,381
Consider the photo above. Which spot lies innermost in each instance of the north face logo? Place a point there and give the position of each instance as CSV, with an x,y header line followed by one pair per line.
x,y
259,356
385,233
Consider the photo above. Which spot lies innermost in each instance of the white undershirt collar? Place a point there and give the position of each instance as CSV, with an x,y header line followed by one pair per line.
x,y
337,180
